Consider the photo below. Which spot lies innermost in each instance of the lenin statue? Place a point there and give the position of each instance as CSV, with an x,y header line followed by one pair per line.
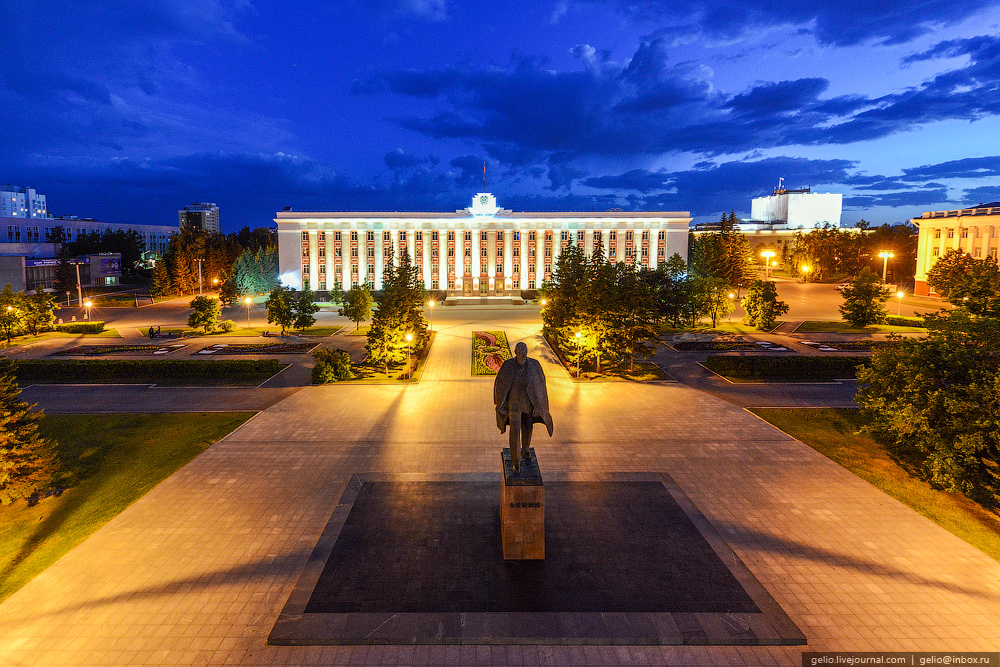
x,y
521,401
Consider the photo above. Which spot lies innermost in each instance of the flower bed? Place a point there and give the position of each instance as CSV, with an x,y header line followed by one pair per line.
x,y
715,345
851,345
489,350
259,348
102,350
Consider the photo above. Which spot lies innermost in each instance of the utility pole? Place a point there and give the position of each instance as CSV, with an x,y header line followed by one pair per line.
x,y
199,275
79,289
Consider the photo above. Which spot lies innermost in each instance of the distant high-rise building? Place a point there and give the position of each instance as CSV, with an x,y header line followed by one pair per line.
x,y
18,202
203,216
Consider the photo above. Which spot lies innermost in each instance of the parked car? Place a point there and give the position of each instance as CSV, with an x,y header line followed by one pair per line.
x,y
841,286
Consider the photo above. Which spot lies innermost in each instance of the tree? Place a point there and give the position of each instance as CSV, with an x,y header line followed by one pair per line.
x,y
305,308
337,293
714,293
561,311
934,403
762,306
636,334
971,283
65,279
161,283
723,254
279,308
864,300
205,312
597,310
27,460
331,366
400,312
357,305
11,311
39,311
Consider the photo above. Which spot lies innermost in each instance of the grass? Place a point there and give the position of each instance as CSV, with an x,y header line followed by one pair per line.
x,y
108,462
321,331
241,332
611,370
360,331
843,327
367,374
736,327
48,335
833,432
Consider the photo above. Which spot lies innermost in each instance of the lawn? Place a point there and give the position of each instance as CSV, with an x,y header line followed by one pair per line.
x,y
27,340
364,373
360,331
108,462
834,433
736,326
844,327
611,370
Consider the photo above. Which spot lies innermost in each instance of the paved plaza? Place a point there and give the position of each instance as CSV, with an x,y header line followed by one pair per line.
x,y
198,570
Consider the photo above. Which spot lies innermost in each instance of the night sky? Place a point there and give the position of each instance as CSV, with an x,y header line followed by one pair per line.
x,y
126,110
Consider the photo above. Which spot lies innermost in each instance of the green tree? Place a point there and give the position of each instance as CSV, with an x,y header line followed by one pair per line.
x,y
864,300
399,313
65,278
161,284
331,366
357,305
636,334
11,312
305,308
560,314
27,460
205,312
964,281
761,305
714,293
723,254
279,306
597,310
39,311
934,403
337,293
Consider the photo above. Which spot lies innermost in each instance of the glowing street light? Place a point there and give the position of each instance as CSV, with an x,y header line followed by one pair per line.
x,y
86,304
731,295
431,304
409,337
767,255
885,255
805,273
248,301
899,310
578,336
544,301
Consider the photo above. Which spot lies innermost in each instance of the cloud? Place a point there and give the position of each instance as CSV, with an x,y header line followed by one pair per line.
x,y
399,160
430,10
972,167
910,198
833,22
986,194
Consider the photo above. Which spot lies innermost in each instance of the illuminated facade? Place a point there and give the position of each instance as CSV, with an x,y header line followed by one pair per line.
x,y
975,231
482,250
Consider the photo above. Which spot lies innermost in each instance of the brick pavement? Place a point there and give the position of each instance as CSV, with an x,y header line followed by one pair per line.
x,y
196,572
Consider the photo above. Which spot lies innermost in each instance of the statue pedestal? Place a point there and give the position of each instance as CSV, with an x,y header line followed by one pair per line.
x,y
522,509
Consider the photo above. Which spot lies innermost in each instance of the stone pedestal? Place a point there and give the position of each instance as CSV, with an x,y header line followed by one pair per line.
x,y
522,509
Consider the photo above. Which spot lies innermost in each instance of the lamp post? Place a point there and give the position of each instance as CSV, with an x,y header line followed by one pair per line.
x,y
86,304
248,301
731,295
899,309
199,275
578,336
409,337
430,326
885,255
767,255
805,273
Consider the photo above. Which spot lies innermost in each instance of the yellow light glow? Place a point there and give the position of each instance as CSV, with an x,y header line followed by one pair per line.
x,y
409,337
899,294
85,303
578,334
731,295
248,301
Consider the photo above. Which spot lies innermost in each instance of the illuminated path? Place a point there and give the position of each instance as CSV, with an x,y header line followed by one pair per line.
x,y
196,572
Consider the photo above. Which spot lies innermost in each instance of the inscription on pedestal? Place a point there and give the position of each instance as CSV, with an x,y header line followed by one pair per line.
x,y
522,509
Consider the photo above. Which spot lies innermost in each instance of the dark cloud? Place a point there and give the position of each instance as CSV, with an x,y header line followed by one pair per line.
x,y
472,168
640,180
776,98
910,198
982,195
972,167
837,22
399,160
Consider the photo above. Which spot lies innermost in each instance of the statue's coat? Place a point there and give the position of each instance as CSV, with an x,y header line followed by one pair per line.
x,y
535,386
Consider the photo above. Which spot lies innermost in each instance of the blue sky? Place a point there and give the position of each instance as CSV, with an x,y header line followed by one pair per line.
x,y
127,110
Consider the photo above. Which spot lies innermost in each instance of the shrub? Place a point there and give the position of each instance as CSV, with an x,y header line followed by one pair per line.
x,y
81,327
227,325
331,366
786,368
904,321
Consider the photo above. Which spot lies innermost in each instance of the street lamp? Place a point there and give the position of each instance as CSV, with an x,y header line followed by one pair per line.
x,y
885,255
544,301
199,275
805,273
731,295
86,304
578,336
429,325
767,255
248,301
409,337
899,310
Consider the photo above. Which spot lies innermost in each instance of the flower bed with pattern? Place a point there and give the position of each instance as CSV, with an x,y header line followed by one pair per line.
x,y
489,350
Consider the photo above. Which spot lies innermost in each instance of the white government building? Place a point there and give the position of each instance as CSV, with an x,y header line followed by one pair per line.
x,y
482,250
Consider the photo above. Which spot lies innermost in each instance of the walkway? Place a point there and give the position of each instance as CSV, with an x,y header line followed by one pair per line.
x,y
196,572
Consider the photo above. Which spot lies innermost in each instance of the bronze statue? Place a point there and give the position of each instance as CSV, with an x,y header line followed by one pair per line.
x,y
521,401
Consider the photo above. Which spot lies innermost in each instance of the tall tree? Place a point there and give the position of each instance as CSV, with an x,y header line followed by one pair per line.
x,y
27,460
967,282
357,305
864,300
280,310
11,311
305,308
205,312
39,311
762,306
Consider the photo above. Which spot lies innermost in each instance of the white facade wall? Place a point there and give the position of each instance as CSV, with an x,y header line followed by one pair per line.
x,y
21,230
18,202
476,273
799,209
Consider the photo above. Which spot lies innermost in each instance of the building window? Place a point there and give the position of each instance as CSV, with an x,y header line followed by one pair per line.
x,y
354,284
516,251
564,235
517,236
305,269
322,252
451,252
371,237
531,236
386,236
628,235
482,236
951,233
354,252
993,253
965,233
305,252
531,284
531,252
435,284
937,233
418,237
612,252
336,252
579,238
548,252
322,285
468,252
402,237
451,283
548,237
451,269
976,252
305,236
612,235
371,253
662,235
936,252
354,236
645,235
499,269
482,252
516,268
321,237
548,269
354,270
499,251
434,252
499,237
322,269
434,236
468,236
336,236
645,253
451,236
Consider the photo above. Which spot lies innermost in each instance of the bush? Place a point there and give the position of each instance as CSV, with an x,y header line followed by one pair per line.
x,y
331,366
529,294
786,368
905,321
147,370
227,326
81,327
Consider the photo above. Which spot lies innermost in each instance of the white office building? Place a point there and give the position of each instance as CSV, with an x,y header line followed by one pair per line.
x,y
18,202
794,209
203,216
482,250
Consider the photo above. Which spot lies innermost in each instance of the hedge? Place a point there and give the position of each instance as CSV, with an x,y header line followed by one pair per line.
x,y
905,321
116,370
81,327
778,369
